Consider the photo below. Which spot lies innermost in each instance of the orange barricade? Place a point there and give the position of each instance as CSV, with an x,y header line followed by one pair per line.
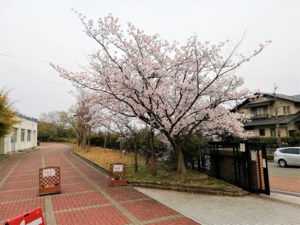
x,y
49,180
117,174
32,217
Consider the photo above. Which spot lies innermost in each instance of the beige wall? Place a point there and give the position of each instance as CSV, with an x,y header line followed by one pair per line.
x,y
271,108
283,131
27,125
279,105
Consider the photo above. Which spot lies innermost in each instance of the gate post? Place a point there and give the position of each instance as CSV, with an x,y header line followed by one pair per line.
x,y
265,170
249,167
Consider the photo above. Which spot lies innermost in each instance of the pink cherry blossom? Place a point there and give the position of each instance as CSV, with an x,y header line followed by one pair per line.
x,y
175,89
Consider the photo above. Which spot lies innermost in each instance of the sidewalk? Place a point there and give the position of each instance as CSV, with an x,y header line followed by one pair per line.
x,y
85,199
218,210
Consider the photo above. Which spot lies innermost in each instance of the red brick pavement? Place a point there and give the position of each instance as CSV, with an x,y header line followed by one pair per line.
x,y
77,188
285,183
85,198
149,209
125,194
14,209
18,195
78,200
101,216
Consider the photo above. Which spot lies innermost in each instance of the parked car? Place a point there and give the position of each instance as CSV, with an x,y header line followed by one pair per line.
x,y
289,156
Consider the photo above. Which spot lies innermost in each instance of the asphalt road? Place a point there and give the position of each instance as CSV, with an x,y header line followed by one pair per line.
x,y
275,170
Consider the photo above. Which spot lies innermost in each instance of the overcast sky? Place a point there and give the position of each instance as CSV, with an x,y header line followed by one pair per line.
x,y
34,33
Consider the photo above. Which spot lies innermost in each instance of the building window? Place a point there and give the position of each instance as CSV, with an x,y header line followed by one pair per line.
x,y
273,132
286,109
292,133
260,112
249,128
23,135
261,132
28,135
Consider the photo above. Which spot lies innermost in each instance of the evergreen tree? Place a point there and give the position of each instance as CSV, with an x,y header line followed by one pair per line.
x,y
7,115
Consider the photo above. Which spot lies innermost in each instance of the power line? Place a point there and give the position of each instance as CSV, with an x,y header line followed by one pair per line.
x,y
25,58
21,73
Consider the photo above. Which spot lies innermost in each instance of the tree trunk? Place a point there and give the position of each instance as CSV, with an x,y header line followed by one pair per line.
x,y
153,158
78,142
180,161
121,149
148,150
83,141
199,165
89,140
105,139
147,159
136,166
278,133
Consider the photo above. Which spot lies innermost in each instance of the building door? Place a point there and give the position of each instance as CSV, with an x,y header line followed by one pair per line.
x,y
13,140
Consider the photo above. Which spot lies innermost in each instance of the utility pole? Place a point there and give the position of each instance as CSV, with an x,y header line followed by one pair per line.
x,y
276,110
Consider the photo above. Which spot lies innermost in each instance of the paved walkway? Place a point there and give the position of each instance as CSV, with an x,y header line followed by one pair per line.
x,y
218,210
284,179
85,197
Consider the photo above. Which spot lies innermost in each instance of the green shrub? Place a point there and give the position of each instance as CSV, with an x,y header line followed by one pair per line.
x,y
270,157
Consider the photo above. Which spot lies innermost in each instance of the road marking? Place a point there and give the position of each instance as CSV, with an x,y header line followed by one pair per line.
x,y
9,173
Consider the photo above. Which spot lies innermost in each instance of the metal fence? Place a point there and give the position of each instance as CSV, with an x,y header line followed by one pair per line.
x,y
243,164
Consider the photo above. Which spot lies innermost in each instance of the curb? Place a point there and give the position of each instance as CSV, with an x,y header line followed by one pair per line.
x,y
189,189
95,165
16,154
169,186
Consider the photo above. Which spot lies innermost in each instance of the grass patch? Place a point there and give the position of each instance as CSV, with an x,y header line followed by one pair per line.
x,y
166,172
105,157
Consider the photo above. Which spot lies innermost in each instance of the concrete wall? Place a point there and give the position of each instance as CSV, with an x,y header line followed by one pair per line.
x,y
16,141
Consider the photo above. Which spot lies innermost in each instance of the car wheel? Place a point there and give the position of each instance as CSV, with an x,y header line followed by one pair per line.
x,y
282,163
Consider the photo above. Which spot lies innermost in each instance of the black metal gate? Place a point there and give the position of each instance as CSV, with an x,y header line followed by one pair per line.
x,y
243,164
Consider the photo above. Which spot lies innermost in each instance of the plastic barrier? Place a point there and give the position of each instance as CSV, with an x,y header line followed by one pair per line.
x,y
49,180
117,174
34,217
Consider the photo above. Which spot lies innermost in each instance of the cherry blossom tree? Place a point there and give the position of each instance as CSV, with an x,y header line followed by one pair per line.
x,y
176,89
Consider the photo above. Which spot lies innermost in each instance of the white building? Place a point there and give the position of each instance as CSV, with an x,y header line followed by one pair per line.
x,y
23,136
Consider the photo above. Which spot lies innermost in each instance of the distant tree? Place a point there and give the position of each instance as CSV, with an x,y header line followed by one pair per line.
x,y
7,114
46,131
83,117
54,126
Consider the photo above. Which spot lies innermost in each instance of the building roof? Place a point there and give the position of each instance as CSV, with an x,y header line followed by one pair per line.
x,y
27,117
272,121
258,104
293,98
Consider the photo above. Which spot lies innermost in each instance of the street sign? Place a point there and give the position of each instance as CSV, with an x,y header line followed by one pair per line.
x,y
242,147
118,168
34,217
48,172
